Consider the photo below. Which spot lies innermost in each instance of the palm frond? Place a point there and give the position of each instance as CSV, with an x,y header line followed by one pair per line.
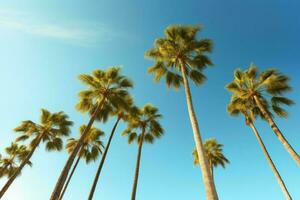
x,y
54,145
197,77
88,80
278,100
132,137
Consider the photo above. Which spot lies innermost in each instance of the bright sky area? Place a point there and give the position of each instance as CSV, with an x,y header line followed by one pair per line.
x,y
45,45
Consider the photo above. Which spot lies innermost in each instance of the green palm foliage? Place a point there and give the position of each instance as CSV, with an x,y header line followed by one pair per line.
x,y
123,112
180,50
90,150
15,155
107,87
250,111
143,127
179,57
266,91
50,130
214,154
92,145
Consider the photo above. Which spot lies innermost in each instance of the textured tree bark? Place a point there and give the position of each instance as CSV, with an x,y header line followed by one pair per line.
x,y
63,176
137,168
69,179
103,160
272,165
17,172
210,189
277,131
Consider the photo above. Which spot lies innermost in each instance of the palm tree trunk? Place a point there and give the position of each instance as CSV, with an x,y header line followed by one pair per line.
x,y
63,176
210,189
17,172
69,179
272,165
212,174
277,131
102,160
137,167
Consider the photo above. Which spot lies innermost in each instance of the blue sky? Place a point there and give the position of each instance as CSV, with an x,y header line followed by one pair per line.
x,y
45,45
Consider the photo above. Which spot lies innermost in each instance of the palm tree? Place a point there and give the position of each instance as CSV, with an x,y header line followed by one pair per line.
x,y
122,113
181,57
250,111
90,150
143,127
214,154
15,155
50,130
265,88
104,87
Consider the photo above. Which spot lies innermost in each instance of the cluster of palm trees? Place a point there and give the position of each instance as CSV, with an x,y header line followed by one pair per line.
x,y
180,58
106,96
261,95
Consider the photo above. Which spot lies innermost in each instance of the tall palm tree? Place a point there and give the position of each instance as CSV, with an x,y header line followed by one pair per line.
x,y
89,151
50,130
15,155
143,127
104,87
265,88
122,112
250,111
180,57
214,154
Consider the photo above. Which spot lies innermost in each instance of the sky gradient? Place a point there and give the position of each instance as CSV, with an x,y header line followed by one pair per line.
x,y
46,45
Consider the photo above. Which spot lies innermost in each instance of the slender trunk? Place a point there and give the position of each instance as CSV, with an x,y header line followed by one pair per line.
x,y
69,179
103,160
277,131
272,165
17,172
137,167
63,176
212,174
210,189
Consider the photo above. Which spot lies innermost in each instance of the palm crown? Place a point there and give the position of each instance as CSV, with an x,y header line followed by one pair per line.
x,y
180,48
269,86
50,130
92,144
214,153
108,86
122,111
15,155
145,121
250,111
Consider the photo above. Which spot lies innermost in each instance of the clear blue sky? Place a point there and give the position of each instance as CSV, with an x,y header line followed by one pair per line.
x,y
45,45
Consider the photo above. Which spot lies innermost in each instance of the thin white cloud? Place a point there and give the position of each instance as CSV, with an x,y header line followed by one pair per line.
x,y
83,34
